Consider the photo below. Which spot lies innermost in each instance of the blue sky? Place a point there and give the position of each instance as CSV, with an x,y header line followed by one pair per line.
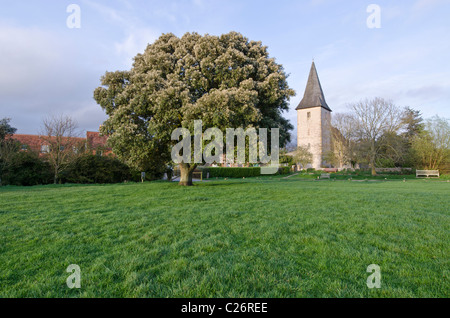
x,y
47,68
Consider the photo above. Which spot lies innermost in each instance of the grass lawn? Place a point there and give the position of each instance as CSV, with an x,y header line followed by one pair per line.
x,y
265,237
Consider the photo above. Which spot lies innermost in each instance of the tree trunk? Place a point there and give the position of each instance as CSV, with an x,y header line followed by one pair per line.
x,y
55,177
372,158
186,171
374,172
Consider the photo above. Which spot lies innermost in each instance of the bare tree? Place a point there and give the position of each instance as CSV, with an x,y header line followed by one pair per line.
x,y
373,119
343,133
303,156
61,142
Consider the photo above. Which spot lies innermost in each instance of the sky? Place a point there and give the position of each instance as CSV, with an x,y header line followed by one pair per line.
x,y
47,68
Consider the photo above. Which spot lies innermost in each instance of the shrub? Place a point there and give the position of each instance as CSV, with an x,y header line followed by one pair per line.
x,y
26,169
287,159
97,169
225,172
444,168
284,170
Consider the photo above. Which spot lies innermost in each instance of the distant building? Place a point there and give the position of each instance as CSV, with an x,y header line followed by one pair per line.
x,y
94,143
314,121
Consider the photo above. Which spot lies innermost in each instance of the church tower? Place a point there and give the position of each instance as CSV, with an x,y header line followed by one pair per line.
x,y
313,120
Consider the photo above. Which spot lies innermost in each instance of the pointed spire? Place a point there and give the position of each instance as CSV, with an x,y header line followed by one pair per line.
x,y
313,96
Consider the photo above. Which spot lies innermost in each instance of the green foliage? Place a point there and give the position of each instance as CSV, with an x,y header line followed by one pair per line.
x,y
225,172
284,158
98,169
8,149
284,170
431,147
26,169
392,150
385,163
244,172
149,175
6,129
414,125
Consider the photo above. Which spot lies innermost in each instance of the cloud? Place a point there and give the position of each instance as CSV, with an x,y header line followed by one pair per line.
x,y
428,91
135,42
422,8
406,70
136,35
27,54
421,5
42,73
108,12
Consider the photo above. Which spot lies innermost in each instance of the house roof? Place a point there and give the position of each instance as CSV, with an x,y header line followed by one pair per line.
x,y
313,96
93,138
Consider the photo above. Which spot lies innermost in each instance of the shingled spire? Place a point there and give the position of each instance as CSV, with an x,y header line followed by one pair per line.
x,y
313,96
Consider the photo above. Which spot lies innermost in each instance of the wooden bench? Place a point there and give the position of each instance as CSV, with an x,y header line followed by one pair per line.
x,y
427,173
330,170
325,176
197,174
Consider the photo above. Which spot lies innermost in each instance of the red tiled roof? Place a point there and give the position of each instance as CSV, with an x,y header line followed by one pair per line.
x,y
33,141
93,139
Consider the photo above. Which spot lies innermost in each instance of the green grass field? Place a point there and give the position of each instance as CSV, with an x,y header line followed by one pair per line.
x,y
265,237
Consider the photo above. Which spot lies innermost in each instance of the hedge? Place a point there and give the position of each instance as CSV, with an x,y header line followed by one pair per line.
x,y
26,169
246,172
97,169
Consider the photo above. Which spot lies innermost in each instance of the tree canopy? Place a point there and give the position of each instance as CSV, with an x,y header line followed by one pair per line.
x,y
6,129
226,81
